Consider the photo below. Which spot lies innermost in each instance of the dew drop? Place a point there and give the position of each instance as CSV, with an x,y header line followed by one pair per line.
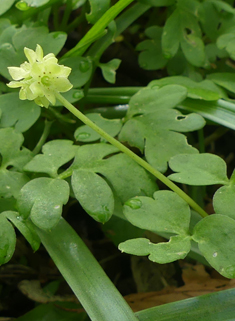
x,y
82,136
215,254
21,5
8,187
84,66
78,94
56,207
134,203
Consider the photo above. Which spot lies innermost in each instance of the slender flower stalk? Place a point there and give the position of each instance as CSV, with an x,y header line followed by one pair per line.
x,y
42,79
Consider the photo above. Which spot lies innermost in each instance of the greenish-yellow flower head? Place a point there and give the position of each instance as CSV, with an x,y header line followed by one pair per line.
x,y
40,78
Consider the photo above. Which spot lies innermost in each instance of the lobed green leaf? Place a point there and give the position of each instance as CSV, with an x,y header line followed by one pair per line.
x,y
215,235
7,240
86,134
167,213
198,169
42,199
55,154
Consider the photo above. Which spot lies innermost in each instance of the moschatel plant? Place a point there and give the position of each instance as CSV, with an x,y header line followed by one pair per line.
x,y
107,178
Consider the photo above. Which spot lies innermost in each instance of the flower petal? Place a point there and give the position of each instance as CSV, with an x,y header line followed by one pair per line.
x,y
17,73
37,89
49,94
62,84
30,55
42,101
39,53
15,84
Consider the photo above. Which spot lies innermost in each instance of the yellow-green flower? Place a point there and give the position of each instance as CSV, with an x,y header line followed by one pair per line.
x,y
40,78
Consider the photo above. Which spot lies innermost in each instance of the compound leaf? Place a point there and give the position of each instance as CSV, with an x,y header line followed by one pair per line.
x,y
13,159
109,70
101,205
198,169
215,235
167,213
7,240
155,131
120,176
86,134
151,56
205,89
55,154
42,199
182,28
224,201
224,79
165,252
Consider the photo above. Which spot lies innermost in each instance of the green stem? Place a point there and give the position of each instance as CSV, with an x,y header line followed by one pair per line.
x,y
132,155
90,284
98,28
67,12
43,138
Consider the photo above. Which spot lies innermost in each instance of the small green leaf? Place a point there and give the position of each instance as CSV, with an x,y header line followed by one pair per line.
x,y
224,79
167,212
109,70
20,114
98,8
55,154
151,57
227,42
94,195
42,199
224,201
81,70
10,149
5,5
149,100
7,240
140,247
215,235
171,35
11,183
13,159
25,227
182,28
166,252
205,89
198,169
86,134
193,49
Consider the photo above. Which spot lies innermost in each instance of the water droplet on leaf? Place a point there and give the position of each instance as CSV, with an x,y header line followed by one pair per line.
x,y
134,203
21,5
78,94
83,136
84,66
